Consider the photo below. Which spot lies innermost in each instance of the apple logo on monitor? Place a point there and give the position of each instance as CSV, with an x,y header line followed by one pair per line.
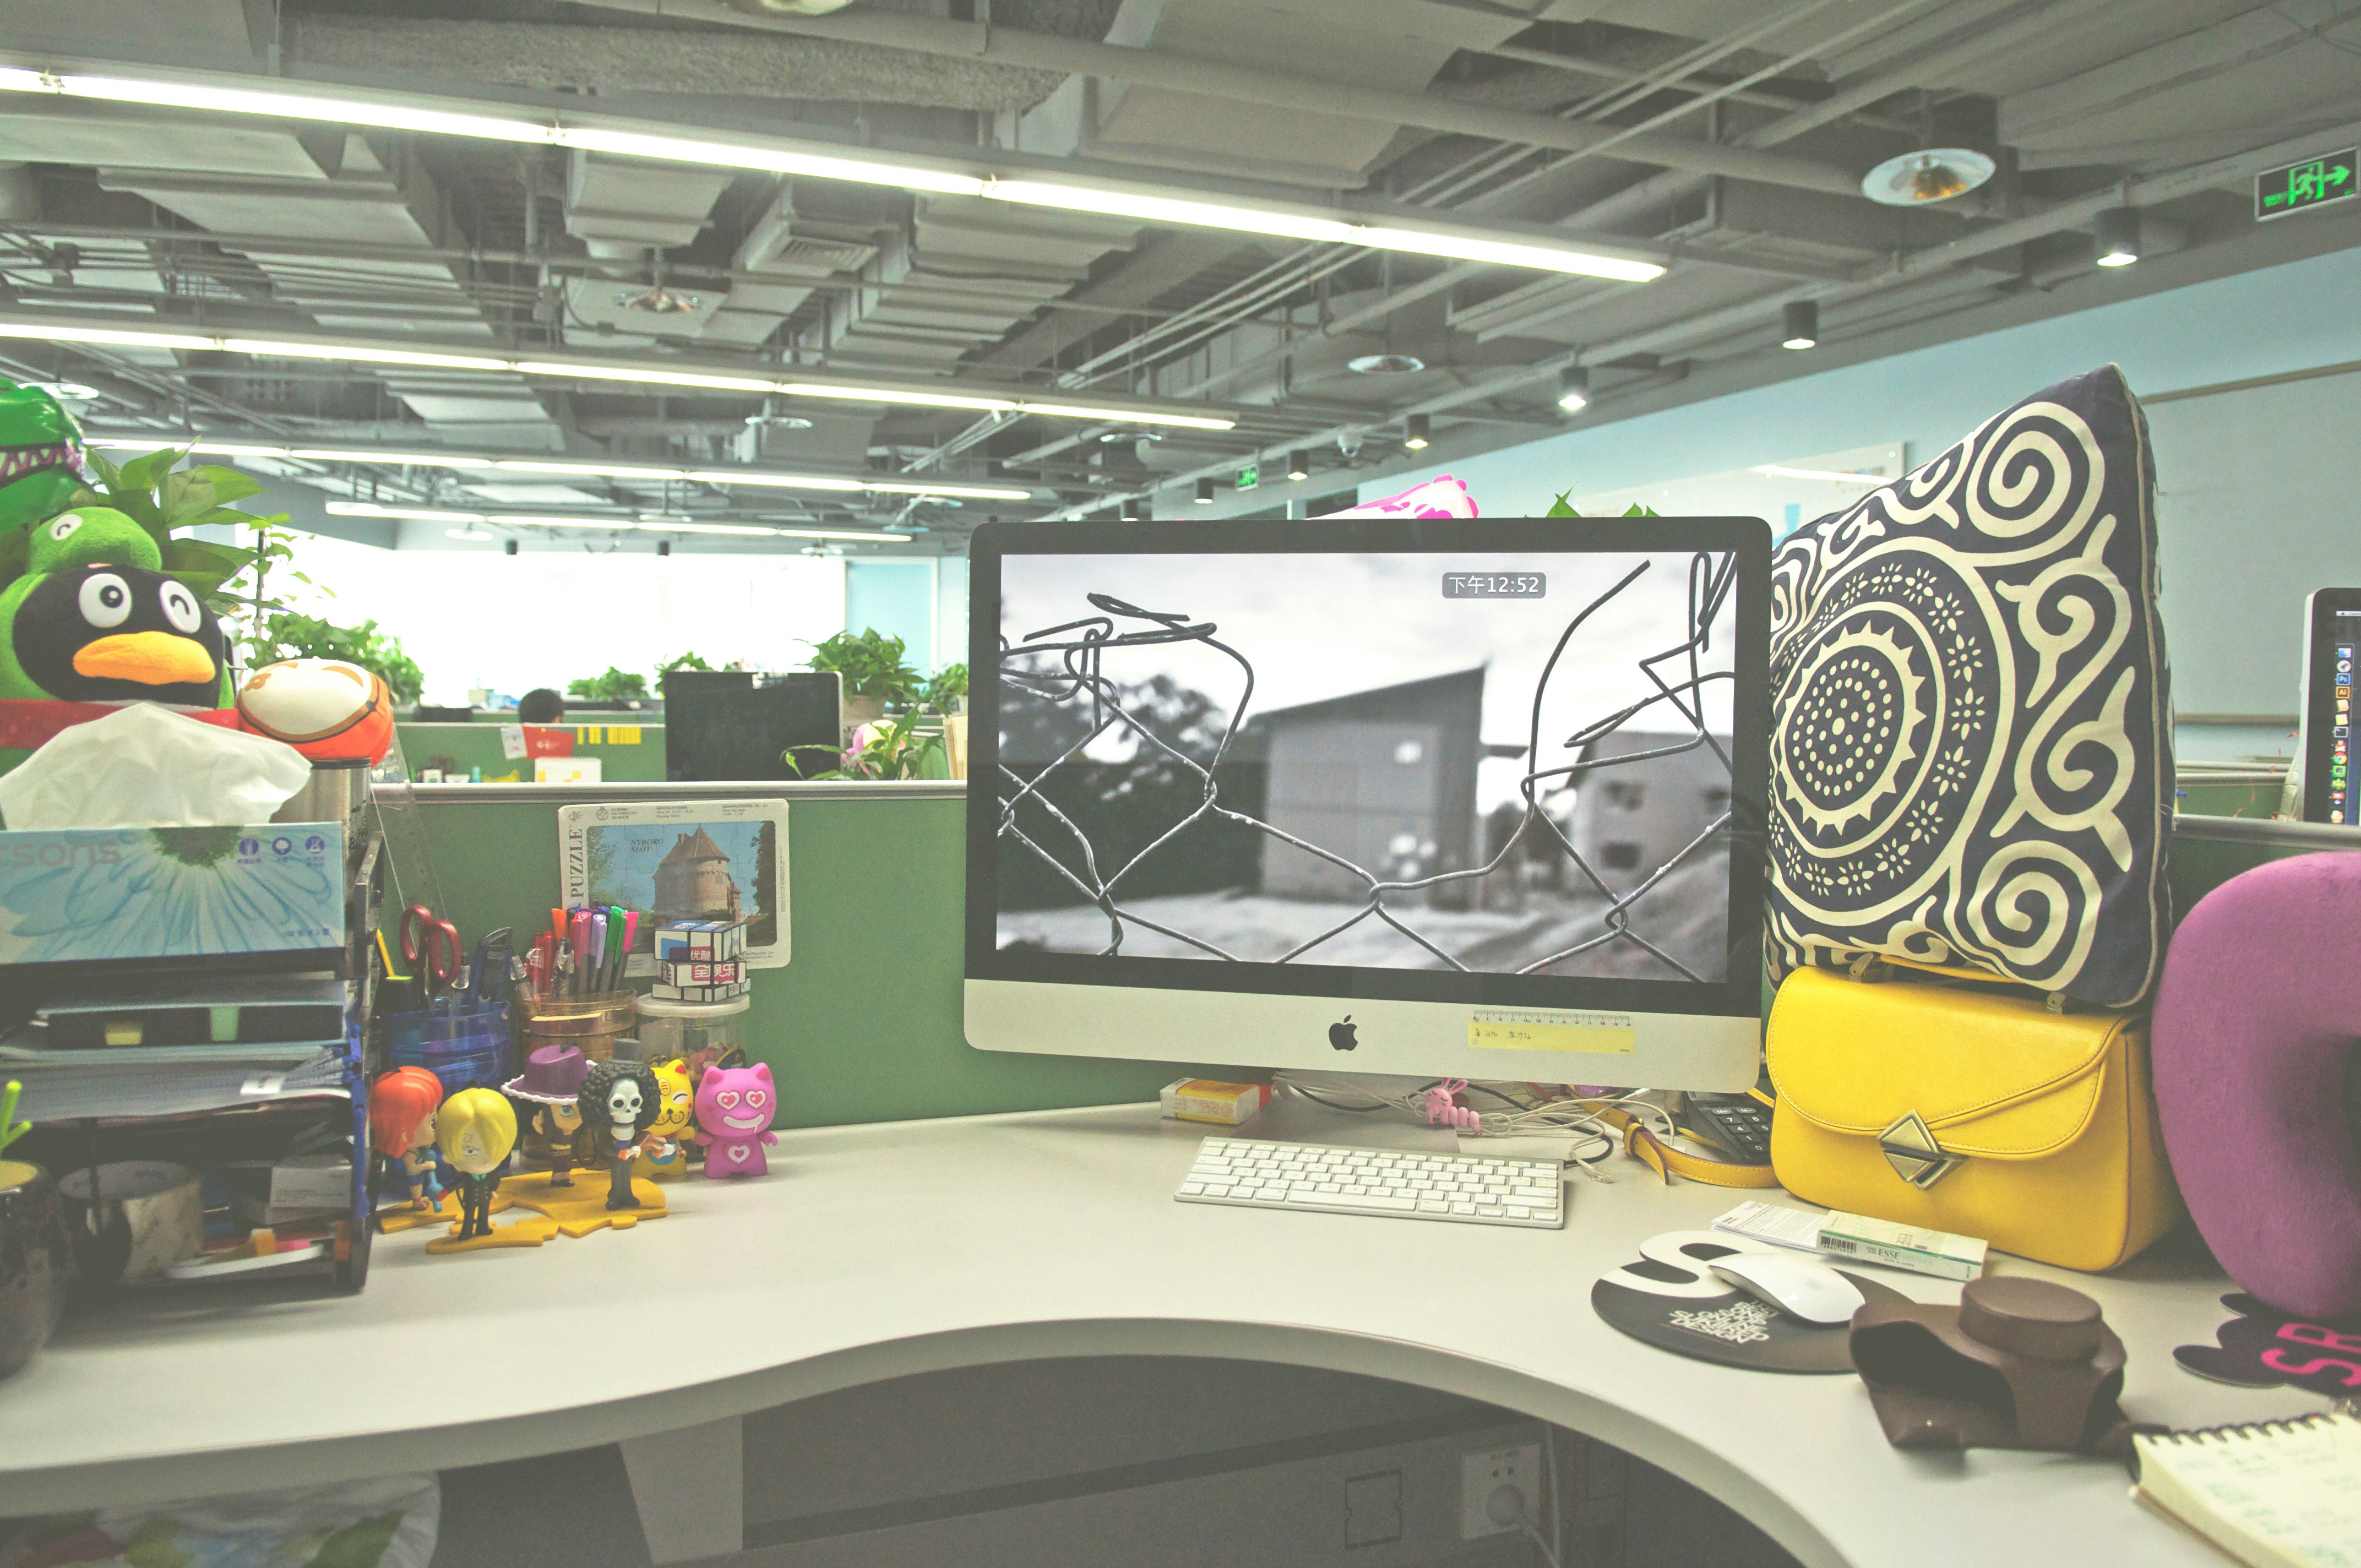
x,y
1340,1034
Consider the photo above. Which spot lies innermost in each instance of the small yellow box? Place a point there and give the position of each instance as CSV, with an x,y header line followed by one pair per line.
x,y
1206,1100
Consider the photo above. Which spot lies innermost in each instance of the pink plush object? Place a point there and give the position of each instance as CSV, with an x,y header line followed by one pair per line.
x,y
2256,1019
1446,496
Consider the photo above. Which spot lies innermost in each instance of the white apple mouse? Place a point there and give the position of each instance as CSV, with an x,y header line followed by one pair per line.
x,y
1796,1285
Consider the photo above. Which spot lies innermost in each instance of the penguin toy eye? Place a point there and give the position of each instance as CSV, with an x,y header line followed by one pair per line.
x,y
180,608
105,599
65,525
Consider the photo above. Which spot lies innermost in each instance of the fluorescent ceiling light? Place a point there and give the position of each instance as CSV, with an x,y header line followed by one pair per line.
x,y
524,520
672,526
649,376
1079,411
605,470
895,395
773,481
1782,472
643,375
418,514
133,337
838,533
967,492
395,459
470,531
159,441
775,160
1511,253
1274,219
276,349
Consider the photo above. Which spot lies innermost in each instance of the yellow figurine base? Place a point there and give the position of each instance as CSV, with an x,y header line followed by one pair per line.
x,y
392,1221
578,1210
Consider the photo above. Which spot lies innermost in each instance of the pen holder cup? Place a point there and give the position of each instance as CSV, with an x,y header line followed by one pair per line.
x,y
592,1023
465,1049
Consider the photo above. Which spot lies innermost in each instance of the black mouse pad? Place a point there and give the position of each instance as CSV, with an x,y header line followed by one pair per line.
x,y
2263,1348
1671,1299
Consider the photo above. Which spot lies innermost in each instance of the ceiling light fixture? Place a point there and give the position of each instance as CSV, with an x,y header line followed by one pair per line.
x,y
1280,220
66,391
351,353
1937,174
765,478
2118,231
1416,430
1204,492
1573,388
1780,471
1799,324
1385,365
414,514
1299,465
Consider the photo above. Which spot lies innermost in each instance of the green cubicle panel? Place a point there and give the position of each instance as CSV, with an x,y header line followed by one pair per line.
x,y
864,1025
628,754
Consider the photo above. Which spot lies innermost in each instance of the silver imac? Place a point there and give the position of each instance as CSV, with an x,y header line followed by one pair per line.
x,y
1451,798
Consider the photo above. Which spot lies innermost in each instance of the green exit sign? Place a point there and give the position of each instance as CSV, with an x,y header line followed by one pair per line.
x,y
2314,182
1249,477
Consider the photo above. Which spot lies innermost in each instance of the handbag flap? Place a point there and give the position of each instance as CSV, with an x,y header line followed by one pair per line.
x,y
1997,1076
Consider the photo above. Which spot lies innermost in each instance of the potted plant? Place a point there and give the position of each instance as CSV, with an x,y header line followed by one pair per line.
x,y
36,1252
874,671
284,634
882,749
615,685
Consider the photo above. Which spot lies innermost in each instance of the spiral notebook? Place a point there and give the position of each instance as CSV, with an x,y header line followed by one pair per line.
x,y
2272,1495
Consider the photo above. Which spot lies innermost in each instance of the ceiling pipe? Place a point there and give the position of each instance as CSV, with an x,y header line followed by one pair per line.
x,y
1148,68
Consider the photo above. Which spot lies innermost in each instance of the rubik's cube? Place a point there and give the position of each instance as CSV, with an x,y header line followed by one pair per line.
x,y
700,960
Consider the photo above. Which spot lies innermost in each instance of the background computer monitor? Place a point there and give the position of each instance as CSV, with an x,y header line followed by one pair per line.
x,y
721,724
2332,641
1437,797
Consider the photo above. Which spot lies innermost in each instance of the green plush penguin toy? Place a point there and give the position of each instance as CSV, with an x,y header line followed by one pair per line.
x,y
96,620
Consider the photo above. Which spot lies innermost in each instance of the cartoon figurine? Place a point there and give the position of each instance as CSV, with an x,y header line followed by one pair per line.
x,y
668,1156
619,1103
402,1107
94,618
41,456
734,1107
478,1128
552,1079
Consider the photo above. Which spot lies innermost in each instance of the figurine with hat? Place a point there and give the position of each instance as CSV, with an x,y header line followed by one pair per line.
x,y
552,1083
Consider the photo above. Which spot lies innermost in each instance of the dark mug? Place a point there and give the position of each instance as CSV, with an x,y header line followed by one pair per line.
x,y
36,1262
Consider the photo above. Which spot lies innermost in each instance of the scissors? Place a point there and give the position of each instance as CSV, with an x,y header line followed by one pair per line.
x,y
431,948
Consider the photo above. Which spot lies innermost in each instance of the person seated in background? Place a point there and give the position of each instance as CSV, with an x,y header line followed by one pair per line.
x,y
541,706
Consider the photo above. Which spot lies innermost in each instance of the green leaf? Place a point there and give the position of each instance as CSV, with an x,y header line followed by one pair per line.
x,y
1561,507
202,555
229,485
143,473
104,467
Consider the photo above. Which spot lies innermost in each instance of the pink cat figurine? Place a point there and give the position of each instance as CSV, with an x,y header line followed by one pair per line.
x,y
734,1107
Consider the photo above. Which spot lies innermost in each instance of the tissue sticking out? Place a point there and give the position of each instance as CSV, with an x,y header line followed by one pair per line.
x,y
96,620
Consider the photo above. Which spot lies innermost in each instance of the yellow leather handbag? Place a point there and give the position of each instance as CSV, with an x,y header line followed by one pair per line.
x,y
1946,1098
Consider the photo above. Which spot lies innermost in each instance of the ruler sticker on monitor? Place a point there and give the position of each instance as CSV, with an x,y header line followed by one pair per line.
x,y
1548,1029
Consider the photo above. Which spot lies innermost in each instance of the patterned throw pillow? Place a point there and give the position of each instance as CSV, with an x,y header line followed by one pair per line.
x,y
1971,736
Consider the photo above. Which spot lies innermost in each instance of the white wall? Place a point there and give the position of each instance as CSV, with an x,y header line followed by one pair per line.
x,y
513,623
2252,507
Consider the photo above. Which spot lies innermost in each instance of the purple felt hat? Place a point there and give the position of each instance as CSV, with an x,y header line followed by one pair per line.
x,y
552,1075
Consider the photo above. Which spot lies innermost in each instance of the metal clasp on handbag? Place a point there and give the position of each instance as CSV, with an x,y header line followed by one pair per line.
x,y
1910,1148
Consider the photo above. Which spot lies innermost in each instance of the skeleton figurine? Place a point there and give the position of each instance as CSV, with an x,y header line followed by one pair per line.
x,y
620,1100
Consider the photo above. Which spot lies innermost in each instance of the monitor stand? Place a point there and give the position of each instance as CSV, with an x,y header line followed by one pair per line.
x,y
1291,1119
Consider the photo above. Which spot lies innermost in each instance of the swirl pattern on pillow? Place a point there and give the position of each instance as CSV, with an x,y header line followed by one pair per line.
x,y
1969,750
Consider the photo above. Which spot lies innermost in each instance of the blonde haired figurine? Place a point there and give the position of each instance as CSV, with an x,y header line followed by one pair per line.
x,y
475,1131
667,1155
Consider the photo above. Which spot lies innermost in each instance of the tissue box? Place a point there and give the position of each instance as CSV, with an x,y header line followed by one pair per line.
x,y
110,893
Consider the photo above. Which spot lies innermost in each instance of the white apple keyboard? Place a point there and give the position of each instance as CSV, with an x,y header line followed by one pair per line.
x,y
1473,1190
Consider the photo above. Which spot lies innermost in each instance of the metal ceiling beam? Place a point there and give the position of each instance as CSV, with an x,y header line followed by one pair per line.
x,y
1245,85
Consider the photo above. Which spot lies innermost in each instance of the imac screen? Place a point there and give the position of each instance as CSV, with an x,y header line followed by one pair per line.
x,y
1502,763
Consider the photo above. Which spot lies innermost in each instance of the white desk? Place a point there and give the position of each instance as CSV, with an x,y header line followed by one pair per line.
x,y
877,1251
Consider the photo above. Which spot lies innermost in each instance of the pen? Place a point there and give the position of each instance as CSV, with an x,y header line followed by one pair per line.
x,y
598,949
631,935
